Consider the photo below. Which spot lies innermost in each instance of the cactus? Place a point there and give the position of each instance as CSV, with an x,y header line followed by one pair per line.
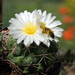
x,y
32,45
36,57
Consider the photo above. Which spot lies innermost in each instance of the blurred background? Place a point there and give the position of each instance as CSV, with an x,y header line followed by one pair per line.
x,y
0,10
64,10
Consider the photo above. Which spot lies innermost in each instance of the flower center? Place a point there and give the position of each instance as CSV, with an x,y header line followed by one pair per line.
x,y
30,28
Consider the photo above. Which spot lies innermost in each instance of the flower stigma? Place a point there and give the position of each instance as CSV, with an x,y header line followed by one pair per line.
x,y
30,28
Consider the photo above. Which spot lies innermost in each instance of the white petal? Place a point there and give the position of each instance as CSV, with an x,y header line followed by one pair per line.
x,y
16,23
39,37
21,39
57,29
13,31
20,18
44,13
31,38
36,40
26,16
48,18
40,12
58,34
46,42
52,18
27,41
56,39
17,35
54,24
51,39
11,27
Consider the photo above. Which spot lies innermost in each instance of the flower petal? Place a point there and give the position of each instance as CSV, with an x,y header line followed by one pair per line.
x,y
21,39
54,24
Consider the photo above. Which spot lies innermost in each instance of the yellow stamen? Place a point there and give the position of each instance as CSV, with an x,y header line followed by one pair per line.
x,y
30,28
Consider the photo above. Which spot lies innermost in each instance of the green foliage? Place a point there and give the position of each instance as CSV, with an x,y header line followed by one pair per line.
x,y
11,42
29,59
26,70
54,47
40,68
17,52
10,56
18,60
41,55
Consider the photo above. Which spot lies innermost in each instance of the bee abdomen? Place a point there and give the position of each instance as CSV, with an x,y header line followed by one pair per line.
x,y
52,35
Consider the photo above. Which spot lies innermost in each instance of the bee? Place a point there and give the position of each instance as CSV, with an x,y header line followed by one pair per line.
x,y
48,31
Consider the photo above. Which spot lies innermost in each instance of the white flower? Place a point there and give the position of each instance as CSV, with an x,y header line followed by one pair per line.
x,y
25,27
49,27
35,27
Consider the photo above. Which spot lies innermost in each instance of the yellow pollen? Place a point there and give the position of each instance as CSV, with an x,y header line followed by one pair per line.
x,y
30,28
42,25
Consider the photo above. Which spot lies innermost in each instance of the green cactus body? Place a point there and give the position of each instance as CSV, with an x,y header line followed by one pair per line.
x,y
34,58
